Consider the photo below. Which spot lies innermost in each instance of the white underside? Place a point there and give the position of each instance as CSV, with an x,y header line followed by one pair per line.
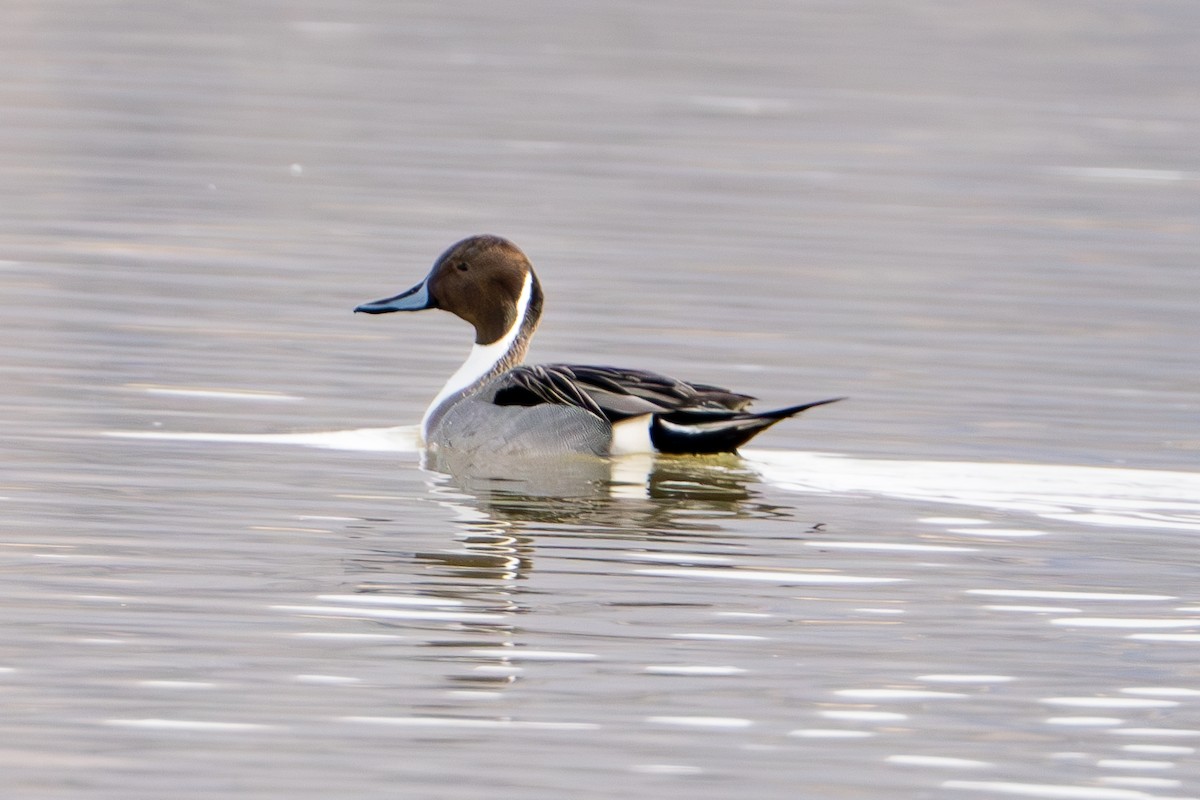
x,y
631,436
482,359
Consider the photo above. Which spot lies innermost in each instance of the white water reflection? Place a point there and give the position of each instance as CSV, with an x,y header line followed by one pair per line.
x,y
900,695
830,733
1084,722
1047,790
400,439
1144,782
778,577
395,614
1089,495
1124,622
1166,637
1100,496
1108,702
1052,594
520,654
693,670
1165,733
712,723
190,725
938,762
210,393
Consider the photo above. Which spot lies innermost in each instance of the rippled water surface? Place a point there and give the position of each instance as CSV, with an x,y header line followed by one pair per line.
x,y
227,574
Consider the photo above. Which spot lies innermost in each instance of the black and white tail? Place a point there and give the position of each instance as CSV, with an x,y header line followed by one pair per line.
x,y
707,431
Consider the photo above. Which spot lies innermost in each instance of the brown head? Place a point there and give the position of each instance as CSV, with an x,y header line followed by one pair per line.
x,y
481,279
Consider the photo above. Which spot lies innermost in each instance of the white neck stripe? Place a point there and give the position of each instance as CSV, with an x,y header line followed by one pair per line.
x,y
482,359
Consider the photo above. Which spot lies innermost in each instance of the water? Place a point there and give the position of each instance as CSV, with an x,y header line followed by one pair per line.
x,y
227,573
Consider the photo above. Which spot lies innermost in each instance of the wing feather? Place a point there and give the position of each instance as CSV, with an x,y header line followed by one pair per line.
x,y
611,392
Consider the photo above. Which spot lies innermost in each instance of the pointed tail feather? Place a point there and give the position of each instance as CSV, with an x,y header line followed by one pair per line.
x,y
791,411
685,432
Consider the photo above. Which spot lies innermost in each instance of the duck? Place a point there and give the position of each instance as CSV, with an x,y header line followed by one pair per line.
x,y
498,405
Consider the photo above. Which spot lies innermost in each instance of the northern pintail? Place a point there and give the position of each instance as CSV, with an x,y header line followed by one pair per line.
x,y
496,405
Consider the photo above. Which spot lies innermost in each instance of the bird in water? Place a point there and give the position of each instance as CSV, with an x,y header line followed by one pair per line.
x,y
496,404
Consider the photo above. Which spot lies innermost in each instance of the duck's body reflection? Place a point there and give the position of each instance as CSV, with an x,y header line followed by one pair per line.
x,y
502,506
640,492
599,515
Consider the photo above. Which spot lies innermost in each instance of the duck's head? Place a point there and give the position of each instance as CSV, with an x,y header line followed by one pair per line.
x,y
485,280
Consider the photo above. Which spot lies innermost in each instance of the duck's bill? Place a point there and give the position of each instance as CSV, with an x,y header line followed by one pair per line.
x,y
415,299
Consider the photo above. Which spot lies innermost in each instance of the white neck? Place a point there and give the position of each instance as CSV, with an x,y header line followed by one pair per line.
x,y
482,360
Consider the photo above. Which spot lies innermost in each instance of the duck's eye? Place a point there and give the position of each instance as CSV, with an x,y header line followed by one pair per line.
x,y
461,266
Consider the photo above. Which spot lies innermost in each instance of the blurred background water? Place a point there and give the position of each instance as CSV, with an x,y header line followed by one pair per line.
x,y
975,578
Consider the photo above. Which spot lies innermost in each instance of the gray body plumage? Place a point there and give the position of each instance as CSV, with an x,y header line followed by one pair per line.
x,y
476,425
